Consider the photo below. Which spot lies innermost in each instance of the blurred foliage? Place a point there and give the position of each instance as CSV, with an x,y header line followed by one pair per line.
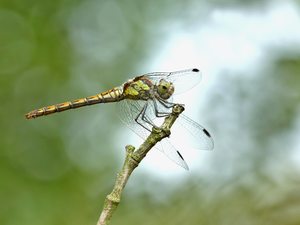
x,y
57,170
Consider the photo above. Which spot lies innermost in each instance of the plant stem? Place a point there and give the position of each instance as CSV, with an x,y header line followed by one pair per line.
x,y
132,160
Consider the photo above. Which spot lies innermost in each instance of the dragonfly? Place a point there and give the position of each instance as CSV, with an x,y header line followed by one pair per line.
x,y
142,102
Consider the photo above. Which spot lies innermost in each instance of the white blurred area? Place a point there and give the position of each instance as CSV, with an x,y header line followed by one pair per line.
x,y
229,40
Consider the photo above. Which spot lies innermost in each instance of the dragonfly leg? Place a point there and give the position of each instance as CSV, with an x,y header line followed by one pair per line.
x,y
158,113
144,118
166,103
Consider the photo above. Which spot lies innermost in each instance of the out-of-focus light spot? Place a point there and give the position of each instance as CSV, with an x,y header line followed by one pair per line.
x,y
94,39
232,40
16,42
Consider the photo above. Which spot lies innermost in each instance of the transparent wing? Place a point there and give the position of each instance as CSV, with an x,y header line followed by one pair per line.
x,y
192,134
183,80
172,153
128,111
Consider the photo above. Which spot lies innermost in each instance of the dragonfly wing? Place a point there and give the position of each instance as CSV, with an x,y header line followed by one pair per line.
x,y
193,134
183,80
172,153
128,112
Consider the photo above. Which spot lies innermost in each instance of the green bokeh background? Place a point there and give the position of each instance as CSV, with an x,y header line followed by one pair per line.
x,y
58,169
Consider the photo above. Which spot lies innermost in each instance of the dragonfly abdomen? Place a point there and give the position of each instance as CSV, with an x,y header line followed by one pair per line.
x,y
112,95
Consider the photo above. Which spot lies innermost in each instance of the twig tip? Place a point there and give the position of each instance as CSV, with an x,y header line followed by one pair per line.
x,y
129,149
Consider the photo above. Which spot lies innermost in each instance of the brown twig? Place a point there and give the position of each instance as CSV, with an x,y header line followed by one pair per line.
x,y
132,160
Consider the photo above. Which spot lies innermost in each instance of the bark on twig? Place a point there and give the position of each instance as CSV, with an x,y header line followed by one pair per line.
x,y
132,160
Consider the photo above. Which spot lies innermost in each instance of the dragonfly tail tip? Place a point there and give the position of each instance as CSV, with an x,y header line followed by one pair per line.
x,y
29,116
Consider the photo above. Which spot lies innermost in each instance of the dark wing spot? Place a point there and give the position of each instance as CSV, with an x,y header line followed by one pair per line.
x,y
206,132
195,70
180,155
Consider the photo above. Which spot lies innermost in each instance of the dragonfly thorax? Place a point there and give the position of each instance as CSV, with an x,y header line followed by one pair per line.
x,y
164,89
139,88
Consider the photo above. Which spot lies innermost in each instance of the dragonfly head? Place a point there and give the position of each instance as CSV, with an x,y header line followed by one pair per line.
x,y
165,89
